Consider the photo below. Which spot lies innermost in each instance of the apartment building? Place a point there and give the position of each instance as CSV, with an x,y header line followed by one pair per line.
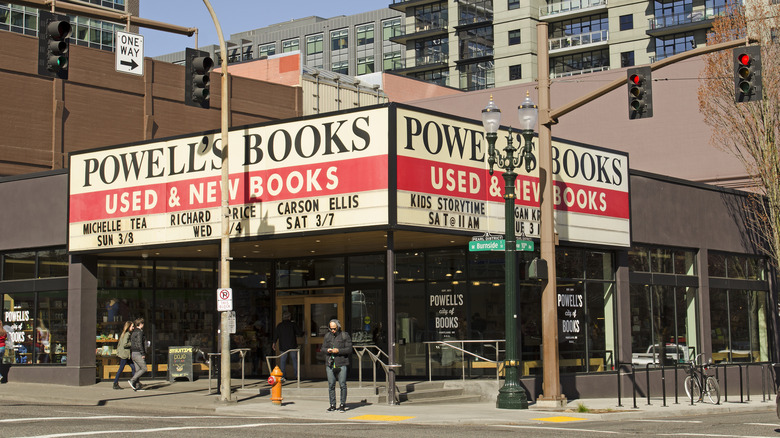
x,y
349,45
87,32
476,44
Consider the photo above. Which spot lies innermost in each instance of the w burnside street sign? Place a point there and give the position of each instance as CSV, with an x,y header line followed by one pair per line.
x,y
499,245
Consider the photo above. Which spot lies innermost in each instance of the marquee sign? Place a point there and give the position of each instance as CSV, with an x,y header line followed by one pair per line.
x,y
333,173
444,183
313,174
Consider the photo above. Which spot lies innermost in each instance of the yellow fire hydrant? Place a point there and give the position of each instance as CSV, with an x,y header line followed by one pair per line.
x,y
276,386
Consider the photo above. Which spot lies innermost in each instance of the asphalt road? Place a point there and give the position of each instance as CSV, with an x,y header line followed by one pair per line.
x,y
36,420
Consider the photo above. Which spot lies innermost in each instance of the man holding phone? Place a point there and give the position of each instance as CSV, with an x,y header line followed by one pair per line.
x,y
338,347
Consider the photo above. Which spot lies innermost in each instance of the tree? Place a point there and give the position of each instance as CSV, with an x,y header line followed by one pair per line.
x,y
749,130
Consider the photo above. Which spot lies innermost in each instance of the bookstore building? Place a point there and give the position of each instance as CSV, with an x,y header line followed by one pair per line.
x,y
343,214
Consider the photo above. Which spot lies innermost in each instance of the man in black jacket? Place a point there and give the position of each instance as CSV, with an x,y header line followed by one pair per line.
x,y
287,333
338,347
138,354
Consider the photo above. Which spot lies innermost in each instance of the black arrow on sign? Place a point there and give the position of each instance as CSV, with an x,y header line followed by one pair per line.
x,y
132,64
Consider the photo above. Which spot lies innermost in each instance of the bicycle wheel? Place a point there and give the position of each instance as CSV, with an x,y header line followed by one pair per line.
x,y
692,386
713,390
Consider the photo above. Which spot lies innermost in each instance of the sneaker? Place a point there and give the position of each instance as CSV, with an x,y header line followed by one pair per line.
x,y
331,409
116,386
130,382
342,408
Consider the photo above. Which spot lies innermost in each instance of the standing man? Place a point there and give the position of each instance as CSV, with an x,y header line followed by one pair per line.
x,y
338,346
287,333
138,354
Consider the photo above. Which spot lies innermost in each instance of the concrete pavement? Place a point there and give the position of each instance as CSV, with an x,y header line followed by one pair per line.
x,y
194,397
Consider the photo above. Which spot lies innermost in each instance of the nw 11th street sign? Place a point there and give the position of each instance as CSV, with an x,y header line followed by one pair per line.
x,y
499,245
129,53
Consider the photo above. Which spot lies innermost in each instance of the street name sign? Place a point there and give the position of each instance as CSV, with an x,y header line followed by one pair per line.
x,y
499,245
129,53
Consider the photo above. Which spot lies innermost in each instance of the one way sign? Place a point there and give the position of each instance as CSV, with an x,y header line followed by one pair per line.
x,y
129,53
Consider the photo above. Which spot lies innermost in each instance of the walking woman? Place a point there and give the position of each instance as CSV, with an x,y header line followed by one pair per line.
x,y
3,338
123,352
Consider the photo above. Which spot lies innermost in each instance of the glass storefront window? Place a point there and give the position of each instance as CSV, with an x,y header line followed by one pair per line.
x,y
740,331
53,263
19,265
310,272
738,266
250,281
35,335
446,264
410,266
365,326
188,274
366,268
638,260
663,324
125,274
569,263
410,349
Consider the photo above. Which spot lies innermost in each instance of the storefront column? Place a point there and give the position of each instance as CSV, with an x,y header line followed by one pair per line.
x,y
623,304
704,326
82,320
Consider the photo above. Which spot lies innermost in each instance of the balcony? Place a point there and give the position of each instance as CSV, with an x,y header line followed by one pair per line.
x,y
478,80
579,41
570,7
684,21
421,29
430,61
403,5
578,72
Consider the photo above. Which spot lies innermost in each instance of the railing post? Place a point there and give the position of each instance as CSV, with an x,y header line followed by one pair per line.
x,y
633,381
647,379
741,395
663,384
747,379
725,384
676,400
620,405
430,368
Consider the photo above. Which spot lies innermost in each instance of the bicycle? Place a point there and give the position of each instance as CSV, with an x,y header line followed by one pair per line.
x,y
697,379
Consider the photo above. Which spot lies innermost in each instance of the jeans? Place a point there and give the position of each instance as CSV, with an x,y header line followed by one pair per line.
x,y
342,376
122,364
140,366
283,362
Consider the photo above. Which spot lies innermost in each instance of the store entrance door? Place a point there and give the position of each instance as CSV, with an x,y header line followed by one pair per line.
x,y
312,315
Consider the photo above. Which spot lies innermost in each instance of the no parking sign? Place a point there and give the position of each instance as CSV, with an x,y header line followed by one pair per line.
x,y
224,299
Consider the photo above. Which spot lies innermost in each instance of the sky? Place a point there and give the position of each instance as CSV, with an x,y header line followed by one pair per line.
x,y
234,16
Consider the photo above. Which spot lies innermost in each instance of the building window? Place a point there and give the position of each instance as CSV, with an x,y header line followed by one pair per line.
x,y
626,22
365,65
339,39
740,325
364,34
341,67
290,45
431,51
477,76
514,37
430,17
513,4
266,50
476,42
391,28
627,59
392,61
579,63
515,72
314,44
474,11
672,45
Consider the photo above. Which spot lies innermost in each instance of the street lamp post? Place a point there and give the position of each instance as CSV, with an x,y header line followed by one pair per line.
x,y
511,395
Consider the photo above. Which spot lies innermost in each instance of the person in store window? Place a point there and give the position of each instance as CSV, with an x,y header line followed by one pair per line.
x,y
123,352
138,354
42,342
287,333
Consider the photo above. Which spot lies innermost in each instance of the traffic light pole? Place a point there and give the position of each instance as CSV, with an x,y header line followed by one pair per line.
x,y
551,388
224,260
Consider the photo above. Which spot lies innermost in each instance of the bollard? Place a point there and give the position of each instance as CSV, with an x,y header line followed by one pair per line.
x,y
620,405
647,379
741,396
275,380
633,380
663,384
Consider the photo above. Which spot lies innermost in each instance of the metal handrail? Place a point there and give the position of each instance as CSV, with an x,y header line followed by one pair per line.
x,y
360,350
463,363
297,360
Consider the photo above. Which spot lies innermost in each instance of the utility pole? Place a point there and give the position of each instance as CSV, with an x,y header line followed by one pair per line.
x,y
224,259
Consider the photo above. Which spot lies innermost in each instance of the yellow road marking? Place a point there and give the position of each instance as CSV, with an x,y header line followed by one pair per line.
x,y
380,418
559,419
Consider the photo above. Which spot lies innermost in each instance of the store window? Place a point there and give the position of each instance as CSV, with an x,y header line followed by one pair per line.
x,y
27,265
19,265
36,323
310,272
740,331
586,309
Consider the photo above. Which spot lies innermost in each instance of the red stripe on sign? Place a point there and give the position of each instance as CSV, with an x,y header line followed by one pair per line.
x,y
426,176
299,182
578,198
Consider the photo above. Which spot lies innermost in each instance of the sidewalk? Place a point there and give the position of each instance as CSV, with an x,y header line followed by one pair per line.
x,y
194,397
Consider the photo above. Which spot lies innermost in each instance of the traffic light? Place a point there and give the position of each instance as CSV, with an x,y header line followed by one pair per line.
x,y
747,74
640,93
53,33
196,78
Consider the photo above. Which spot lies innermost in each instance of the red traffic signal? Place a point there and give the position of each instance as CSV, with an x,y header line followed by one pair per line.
x,y
640,93
747,74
